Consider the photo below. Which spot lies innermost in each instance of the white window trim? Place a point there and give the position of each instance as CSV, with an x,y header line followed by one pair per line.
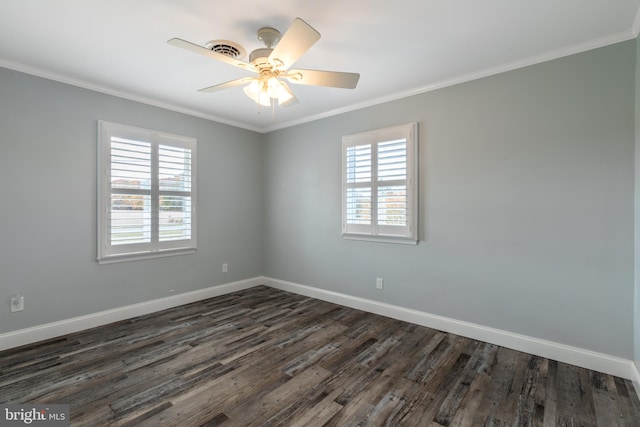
x,y
106,253
374,232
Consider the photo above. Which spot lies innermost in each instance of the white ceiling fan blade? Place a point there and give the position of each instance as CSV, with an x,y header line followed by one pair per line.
x,y
294,43
232,83
183,44
324,78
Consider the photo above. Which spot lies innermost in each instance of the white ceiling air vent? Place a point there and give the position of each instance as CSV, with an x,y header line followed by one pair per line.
x,y
227,48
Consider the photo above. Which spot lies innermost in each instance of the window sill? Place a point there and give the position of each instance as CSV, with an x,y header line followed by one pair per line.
x,y
382,239
111,259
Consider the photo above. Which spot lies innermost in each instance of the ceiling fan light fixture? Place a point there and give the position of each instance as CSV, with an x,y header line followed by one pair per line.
x,y
258,93
264,90
273,86
284,94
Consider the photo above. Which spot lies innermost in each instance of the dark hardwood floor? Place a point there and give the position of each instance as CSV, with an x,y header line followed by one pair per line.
x,y
267,357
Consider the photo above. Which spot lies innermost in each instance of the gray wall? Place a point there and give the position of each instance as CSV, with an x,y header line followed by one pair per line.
x,y
526,203
48,204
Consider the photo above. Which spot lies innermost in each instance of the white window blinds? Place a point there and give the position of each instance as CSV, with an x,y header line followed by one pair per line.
x,y
380,185
146,193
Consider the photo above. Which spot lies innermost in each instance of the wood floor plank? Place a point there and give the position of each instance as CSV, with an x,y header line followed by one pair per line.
x,y
466,410
480,362
551,395
264,357
319,414
258,410
207,401
370,405
501,399
577,407
423,403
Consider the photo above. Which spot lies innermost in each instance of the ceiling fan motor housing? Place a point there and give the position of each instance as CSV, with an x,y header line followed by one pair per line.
x,y
269,36
260,57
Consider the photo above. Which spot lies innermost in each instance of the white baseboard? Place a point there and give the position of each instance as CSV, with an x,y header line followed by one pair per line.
x,y
552,350
573,355
636,377
75,324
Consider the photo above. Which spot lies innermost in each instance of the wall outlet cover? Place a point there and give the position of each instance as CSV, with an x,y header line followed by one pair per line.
x,y
17,304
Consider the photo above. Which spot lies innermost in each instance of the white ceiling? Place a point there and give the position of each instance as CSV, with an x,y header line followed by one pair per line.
x,y
399,47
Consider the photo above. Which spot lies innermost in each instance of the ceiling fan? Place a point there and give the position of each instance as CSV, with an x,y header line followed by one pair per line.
x,y
272,64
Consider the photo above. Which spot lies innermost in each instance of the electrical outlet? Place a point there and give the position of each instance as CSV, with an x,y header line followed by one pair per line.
x,y
225,267
379,283
17,303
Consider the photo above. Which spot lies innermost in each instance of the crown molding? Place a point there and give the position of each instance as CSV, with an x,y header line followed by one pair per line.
x,y
521,63
38,72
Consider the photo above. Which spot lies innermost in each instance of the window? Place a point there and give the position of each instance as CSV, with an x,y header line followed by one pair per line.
x,y
379,185
146,193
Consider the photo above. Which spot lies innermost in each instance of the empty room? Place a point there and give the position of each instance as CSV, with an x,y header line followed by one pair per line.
x,y
337,213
